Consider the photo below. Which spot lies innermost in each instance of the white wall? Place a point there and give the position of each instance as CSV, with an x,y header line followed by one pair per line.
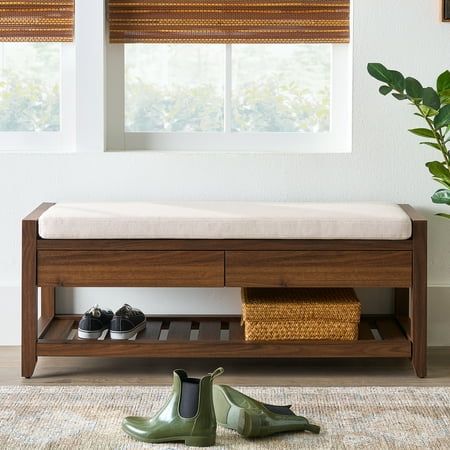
x,y
386,164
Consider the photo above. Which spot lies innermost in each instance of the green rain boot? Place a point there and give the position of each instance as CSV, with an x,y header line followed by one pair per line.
x,y
188,415
251,418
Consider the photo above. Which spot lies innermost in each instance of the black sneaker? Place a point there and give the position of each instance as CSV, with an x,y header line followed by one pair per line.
x,y
127,322
94,322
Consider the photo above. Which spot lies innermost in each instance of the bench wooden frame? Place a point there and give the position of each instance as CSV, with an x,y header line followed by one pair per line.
x,y
49,263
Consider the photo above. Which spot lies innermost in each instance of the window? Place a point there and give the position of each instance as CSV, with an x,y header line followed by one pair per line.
x,y
278,88
37,75
174,88
36,100
257,97
29,86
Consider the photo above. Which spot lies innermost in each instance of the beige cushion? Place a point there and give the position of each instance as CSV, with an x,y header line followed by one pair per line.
x,y
224,220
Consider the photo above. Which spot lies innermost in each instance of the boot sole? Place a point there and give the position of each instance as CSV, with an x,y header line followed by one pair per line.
x,y
232,416
190,441
240,413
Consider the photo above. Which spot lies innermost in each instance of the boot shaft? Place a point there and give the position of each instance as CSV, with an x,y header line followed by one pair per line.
x,y
195,400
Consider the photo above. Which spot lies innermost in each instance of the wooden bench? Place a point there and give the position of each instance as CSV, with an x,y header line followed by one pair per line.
x,y
48,263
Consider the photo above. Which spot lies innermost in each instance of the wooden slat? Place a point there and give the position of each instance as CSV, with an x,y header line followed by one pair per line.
x,y
59,329
152,331
179,331
131,268
365,332
389,330
221,244
209,331
318,269
236,331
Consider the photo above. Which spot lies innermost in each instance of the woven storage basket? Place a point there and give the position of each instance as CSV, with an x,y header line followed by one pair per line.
x,y
291,313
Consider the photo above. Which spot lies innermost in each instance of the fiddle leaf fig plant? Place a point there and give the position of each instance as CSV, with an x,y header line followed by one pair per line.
x,y
433,106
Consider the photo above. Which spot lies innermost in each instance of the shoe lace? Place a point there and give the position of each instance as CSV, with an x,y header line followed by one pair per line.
x,y
94,311
126,310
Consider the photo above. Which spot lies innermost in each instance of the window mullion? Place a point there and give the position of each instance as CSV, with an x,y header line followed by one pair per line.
x,y
228,88
90,71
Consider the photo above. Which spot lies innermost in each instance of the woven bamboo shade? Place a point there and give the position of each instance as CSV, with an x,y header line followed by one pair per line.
x,y
229,21
37,20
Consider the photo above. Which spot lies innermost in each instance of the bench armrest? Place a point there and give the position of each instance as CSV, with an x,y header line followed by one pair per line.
x,y
35,214
413,214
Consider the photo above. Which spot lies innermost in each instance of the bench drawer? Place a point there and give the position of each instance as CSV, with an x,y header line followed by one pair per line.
x,y
131,268
318,268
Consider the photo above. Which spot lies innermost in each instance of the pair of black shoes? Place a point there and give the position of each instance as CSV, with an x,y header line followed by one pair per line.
x,y
124,324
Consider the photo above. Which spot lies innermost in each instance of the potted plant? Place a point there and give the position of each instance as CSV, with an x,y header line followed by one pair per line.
x,y
433,106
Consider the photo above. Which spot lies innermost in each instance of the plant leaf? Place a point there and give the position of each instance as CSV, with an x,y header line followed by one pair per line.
x,y
443,117
432,144
400,97
447,216
424,132
398,80
441,196
440,173
413,88
428,112
384,90
445,97
431,98
443,82
379,72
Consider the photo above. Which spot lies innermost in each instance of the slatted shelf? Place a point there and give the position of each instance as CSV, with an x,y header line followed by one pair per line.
x,y
201,337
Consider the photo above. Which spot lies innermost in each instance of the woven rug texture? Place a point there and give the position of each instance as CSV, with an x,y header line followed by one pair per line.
x,y
82,417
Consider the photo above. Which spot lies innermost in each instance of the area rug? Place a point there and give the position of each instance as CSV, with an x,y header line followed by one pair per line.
x,y
82,417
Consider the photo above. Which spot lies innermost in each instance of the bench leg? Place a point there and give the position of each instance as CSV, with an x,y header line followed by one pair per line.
x,y
419,332
419,299
29,299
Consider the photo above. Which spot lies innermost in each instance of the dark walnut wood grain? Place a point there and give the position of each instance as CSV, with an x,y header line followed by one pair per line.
x,y
318,268
205,349
419,298
131,268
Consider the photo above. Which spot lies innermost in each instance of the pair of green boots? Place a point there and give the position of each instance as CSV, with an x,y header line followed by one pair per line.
x,y
191,413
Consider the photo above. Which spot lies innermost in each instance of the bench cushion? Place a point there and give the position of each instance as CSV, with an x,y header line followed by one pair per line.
x,y
224,220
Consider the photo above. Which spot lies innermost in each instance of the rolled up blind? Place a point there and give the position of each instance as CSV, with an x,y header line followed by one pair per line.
x,y
228,21
37,20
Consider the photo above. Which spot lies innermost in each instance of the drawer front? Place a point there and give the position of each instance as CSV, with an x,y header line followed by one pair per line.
x,y
131,268
318,268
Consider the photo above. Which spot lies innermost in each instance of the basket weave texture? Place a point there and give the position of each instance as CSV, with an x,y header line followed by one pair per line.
x,y
306,313
294,330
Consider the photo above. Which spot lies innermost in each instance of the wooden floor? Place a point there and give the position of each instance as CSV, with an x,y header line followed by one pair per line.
x,y
126,371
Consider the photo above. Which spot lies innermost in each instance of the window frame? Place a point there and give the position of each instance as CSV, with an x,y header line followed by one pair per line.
x,y
337,140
